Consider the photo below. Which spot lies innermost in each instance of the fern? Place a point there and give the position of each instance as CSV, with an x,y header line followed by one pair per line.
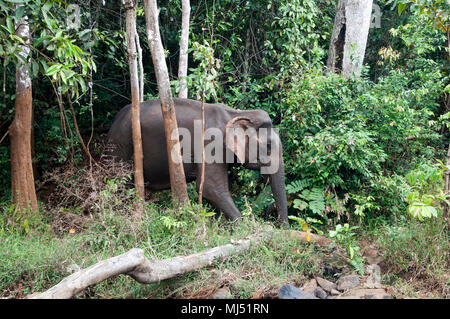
x,y
296,186
170,222
316,201
312,199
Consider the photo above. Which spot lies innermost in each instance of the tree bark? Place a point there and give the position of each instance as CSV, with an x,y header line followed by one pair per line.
x,y
447,172
176,169
336,50
349,37
202,169
134,264
22,178
184,46
141,66
77,130
447,188
135,101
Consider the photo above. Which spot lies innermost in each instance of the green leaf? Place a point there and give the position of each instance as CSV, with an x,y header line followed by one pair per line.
x,y
35,66
53,69
47,6
82,84
40,40
401,8
300,204
208,214
10,25
48,21
351,251
19,13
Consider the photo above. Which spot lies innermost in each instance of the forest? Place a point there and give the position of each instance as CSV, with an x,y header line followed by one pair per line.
x,y
318,166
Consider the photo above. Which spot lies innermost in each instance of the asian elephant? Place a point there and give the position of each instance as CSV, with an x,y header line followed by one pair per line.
x,y
230,149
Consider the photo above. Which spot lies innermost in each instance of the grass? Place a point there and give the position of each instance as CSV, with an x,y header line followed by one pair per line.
x,y
416,256
37,250
34,261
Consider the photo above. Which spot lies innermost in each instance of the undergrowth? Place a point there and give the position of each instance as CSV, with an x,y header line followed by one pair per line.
x,y
60,239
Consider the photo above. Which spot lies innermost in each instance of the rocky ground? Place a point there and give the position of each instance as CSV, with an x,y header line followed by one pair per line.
x,y
345,286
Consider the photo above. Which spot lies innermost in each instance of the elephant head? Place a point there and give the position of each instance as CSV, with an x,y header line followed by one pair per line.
x,y
251,137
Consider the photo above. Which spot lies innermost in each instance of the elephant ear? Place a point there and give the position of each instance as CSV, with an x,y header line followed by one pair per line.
x,y
235,138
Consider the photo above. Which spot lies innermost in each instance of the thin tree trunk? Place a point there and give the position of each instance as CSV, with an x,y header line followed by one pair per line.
x,y
349,37
202,174
176,169
447,187
336,50
184,46
22,178
141,66
135,102
447,172
77,130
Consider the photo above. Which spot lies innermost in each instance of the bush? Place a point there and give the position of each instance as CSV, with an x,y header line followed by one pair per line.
x,y
346,135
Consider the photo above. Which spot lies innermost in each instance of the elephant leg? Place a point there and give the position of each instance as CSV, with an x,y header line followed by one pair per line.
x,y
216,191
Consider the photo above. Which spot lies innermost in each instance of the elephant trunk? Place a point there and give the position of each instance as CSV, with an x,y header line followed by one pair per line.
x,y
279,191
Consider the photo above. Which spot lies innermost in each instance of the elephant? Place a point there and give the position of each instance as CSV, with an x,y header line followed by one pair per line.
x,y
220,119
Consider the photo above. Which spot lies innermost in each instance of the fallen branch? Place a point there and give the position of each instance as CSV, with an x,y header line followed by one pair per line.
x,y
134,264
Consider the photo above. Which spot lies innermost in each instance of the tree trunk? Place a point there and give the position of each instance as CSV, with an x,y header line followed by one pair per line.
x,y
141,66
177,177
202,172
349,37
184,45
447,172
447,188
135,101
336,50
77,130
22,178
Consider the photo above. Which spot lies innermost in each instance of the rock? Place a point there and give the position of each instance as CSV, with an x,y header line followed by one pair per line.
x,y
372,255
291,292
334,292
331,271
374,279
222,293
325,284
348,282
310,286
362,293
320,293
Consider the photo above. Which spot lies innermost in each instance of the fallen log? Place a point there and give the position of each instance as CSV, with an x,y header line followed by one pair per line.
x,y
134,264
